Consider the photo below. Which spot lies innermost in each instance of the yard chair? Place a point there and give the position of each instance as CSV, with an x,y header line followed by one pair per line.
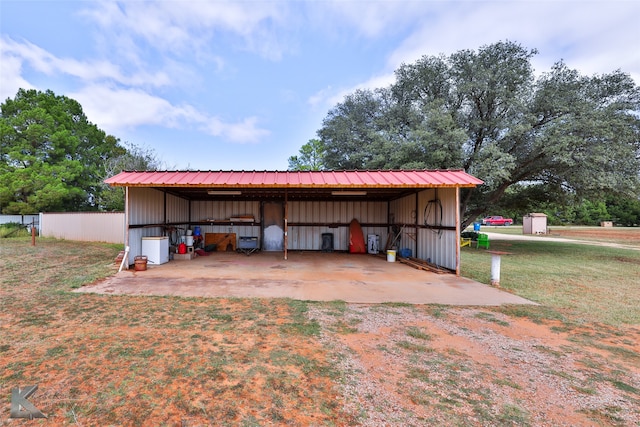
x,y
465,241
483,240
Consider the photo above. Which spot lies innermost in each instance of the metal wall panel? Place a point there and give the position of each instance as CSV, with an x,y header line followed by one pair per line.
x,y
436,246
404,212
135,242
310,237
240,230
218,210
84,226
439,246
146,206
177,209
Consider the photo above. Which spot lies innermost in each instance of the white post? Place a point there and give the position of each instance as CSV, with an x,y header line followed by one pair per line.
x,y
495,270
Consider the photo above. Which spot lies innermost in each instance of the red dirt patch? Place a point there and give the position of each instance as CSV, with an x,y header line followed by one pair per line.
x,y
481,367
627,235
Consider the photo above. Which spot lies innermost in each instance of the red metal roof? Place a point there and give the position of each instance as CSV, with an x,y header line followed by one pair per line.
x,y
296,179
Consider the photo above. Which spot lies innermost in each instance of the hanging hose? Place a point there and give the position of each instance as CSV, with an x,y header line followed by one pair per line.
x,y
433,210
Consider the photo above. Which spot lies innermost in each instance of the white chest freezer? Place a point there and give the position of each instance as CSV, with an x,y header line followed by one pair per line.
x,y
156,249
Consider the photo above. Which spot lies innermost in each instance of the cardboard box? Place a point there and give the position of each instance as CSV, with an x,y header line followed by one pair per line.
x,y
187,256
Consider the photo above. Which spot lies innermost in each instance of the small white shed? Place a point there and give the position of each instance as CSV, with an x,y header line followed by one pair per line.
x,y
534,223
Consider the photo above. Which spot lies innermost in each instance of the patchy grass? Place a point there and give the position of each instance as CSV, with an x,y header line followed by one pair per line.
x,y
113,360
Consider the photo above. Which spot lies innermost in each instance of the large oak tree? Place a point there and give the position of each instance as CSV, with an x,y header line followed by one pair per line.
x,y
486,112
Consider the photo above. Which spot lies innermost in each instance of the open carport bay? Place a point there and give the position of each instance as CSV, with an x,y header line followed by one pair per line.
x,y
314,276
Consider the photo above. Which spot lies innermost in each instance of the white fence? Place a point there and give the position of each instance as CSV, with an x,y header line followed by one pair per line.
x,y
84,226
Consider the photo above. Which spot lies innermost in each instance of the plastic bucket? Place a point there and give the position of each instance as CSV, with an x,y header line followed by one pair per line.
x,y
196,231
140,263
189,232
476,226
188,240
391,256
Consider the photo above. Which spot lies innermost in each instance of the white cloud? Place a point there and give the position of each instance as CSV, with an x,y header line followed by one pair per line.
x,y
114,110
179,27
593,37
329,97
86,71
369,19
245,131
10,74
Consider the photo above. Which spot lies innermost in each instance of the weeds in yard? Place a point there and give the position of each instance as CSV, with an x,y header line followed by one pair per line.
x,y
514,415
489,317
415,332
507,382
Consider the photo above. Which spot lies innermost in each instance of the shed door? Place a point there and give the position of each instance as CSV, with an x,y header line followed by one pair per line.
x,y
273,226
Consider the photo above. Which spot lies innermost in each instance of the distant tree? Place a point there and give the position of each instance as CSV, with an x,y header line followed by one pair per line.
x,y
484,112
311,157
129,158
624,211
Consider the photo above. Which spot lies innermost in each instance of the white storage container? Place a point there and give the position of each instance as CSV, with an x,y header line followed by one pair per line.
x,y
156,249
373,243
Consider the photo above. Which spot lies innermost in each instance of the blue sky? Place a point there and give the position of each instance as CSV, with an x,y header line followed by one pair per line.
x,y
242,85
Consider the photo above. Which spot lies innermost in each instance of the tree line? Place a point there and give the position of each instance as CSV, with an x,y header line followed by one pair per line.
x,y
556,143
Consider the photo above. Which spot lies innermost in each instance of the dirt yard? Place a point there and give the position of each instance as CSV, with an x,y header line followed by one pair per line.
x,y
414,366
468,366
610,234
136,360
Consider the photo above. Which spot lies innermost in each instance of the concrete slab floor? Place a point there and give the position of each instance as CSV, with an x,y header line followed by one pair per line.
x,y
313,276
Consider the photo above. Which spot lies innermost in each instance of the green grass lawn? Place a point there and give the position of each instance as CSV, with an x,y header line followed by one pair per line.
x,y
585,283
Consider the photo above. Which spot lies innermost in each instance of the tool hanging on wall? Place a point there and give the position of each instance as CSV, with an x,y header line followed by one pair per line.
x,y
395,236
433,215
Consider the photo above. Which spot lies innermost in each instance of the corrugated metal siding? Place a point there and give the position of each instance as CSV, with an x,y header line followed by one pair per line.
x,y
403,211
146,206
439,246
310,237
300,179
177,209
84,226
209,210
436,246
338,212
135,242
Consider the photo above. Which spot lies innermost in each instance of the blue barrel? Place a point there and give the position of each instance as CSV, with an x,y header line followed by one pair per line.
x,y
196,231
476,226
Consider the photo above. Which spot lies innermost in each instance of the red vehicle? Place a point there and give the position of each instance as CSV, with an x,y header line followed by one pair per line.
x,y
497,220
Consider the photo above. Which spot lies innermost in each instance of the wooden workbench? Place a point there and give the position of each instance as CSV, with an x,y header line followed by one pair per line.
x,y
225,242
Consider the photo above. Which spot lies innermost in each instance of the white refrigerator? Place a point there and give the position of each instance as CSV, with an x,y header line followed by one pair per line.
x,y
156,249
